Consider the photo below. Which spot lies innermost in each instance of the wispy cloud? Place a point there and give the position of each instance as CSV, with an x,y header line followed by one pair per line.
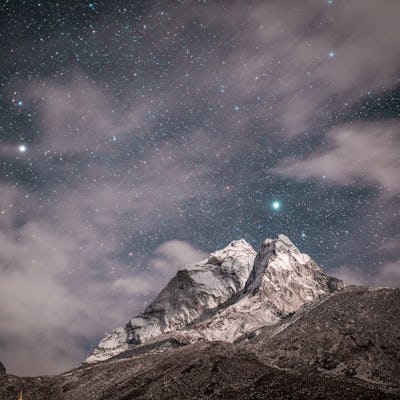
x,y
305,62
359,153
386,275
80,114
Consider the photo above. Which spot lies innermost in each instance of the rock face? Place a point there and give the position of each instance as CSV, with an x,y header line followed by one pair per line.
x,y
232,293
2,369
287,278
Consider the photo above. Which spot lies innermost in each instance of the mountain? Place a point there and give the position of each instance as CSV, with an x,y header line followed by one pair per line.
x,y
233,292
241,325
187,297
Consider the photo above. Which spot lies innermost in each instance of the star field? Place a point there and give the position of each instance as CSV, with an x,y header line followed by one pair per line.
x,y
136,137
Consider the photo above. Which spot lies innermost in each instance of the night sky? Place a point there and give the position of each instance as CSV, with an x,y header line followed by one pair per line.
x,y
136,137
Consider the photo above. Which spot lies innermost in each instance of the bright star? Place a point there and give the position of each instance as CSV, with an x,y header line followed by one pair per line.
x,y
22,148
20,103
332,54
276,205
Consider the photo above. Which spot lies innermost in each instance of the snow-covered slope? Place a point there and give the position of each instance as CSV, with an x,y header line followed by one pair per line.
x,y
230,294
281,281
287,278
194,290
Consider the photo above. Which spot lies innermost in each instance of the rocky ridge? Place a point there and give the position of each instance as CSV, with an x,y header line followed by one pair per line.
x,y
2,369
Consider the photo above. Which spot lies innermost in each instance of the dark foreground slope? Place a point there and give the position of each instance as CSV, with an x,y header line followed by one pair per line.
x,y
355,333
344,347
199,371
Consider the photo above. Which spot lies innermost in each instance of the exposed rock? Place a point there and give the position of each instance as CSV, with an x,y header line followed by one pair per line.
x,y
285,277
2,369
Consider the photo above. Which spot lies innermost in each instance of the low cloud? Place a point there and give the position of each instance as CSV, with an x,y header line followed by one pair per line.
x,y
175,253
61,287
383,272
386,275
166,259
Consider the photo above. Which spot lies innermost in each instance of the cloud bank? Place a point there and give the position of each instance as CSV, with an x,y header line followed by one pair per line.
x,y
60,291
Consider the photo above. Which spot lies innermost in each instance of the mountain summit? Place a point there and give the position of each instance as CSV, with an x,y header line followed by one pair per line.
x,y
232,293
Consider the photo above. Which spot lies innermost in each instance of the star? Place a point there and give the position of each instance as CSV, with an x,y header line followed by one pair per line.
x,y
332,54
22,148
276,205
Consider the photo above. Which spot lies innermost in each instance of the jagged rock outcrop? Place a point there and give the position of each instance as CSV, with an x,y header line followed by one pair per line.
x,y
230,294
2,369
286,278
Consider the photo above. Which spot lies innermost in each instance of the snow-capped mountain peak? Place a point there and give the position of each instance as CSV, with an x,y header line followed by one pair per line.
x,y
190,293
233,292
286,277
235,249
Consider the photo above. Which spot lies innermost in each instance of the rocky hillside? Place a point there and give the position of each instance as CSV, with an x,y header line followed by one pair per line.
x,y
355,333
